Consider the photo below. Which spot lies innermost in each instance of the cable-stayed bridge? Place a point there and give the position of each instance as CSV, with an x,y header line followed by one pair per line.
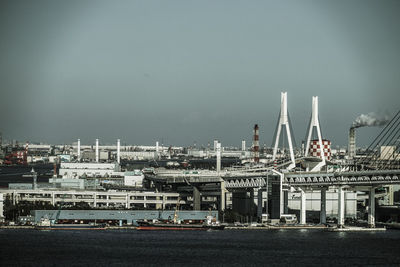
x,y
380,166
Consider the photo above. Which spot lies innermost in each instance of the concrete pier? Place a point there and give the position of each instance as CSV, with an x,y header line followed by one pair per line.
x,y
371,208
223,194
285,201
340,207
196,199
218,158
322,215
303,207
259,202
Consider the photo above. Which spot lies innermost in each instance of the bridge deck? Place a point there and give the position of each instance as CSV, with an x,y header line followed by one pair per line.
x,y
343,178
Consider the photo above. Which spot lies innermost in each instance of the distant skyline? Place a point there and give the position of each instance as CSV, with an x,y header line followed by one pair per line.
x,y
193,71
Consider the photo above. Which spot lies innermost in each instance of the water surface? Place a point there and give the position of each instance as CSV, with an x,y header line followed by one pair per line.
x,y
184,248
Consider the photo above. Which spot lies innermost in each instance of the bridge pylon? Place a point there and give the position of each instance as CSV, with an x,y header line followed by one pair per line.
x,y
314,122
284,122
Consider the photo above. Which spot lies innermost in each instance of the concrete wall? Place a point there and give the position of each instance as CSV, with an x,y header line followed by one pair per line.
x,y
97,166
68,183
137,155
133,179
20,186
76,170
243,202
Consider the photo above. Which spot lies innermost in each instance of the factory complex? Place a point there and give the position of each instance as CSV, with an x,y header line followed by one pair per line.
x,y
314,184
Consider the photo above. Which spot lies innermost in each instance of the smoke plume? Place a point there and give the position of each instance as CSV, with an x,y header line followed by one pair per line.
x,y
370,119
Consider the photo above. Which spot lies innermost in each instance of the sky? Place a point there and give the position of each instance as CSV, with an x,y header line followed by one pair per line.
x,y
193,71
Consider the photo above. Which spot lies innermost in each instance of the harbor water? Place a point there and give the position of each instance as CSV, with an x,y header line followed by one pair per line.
x,y
27,247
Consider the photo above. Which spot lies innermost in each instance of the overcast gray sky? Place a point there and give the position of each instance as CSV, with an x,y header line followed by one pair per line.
x,y
185,71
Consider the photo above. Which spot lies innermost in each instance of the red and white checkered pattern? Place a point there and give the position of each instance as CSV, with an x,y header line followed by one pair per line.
x,y
315,148
20,154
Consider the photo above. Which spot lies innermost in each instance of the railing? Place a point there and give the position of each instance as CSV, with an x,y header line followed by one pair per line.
x,y
345,178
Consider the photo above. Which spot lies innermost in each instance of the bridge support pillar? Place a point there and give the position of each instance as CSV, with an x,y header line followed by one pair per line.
x,y
259,203
95,200
53,198
322,214
285,201
391,195
302,206
218,148
371,208
196,198
223,191
340,223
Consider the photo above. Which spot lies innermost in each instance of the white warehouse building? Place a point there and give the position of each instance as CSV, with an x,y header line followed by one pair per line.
x,y
70,171
77,170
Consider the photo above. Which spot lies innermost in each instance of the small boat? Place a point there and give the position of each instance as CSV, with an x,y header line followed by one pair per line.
x,y
46,224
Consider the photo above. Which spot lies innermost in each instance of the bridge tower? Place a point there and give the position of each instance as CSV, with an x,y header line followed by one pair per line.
x,y
314,122
284,122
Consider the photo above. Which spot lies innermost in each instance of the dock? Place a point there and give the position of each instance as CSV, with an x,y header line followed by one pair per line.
x,y
356,229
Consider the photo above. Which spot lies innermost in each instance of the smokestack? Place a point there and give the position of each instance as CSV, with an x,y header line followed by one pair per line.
x,y
370,119
79,149
218,150
243,145
215,145
97,150
352,142
256,145
118,150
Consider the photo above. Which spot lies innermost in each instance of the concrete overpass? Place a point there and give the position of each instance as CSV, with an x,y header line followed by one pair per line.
x,y
360,180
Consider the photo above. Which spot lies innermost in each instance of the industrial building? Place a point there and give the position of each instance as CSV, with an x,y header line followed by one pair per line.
x,y
250,181
96,199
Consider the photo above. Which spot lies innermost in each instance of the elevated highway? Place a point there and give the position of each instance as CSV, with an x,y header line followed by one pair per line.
x,y
359,178
218,183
